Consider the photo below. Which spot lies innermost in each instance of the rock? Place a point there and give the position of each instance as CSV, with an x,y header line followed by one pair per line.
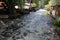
x,y
18,32
22,36
13,37
25,34
7,33
36,31
1,38
17,37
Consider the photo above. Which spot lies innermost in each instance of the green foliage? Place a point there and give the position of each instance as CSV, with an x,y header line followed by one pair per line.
x,y
48,13
47,6
36,2
11,7
41,2
57,21
20,3
54,2
34,5
46,2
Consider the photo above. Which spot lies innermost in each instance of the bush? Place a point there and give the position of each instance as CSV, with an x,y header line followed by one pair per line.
x,y
34,5
57,21
47,6
48,13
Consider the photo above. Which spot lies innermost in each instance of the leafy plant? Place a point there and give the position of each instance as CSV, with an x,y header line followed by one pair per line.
x,y
56,21
34,4
48,13
47,6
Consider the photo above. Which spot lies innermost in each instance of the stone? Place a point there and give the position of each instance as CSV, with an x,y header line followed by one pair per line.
x,y
17,37
25,34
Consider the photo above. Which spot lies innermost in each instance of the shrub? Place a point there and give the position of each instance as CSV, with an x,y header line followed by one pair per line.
x,y
57,21
48,13
34,4
47,6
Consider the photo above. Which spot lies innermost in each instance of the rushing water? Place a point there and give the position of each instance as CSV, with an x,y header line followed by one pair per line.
x,y
33,26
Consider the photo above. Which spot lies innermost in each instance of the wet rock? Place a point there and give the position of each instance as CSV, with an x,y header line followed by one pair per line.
x,y
24,34
20,25
6,35
36,31
13,27
13,37
18,32
17,37
0,27
1,38
48,33
28,31
12,22
20,39
48,38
